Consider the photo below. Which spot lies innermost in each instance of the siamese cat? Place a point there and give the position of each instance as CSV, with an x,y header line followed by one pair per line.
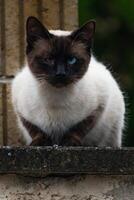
x,y
63,95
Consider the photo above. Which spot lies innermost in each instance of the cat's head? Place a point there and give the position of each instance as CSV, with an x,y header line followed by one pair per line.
x,y
59,60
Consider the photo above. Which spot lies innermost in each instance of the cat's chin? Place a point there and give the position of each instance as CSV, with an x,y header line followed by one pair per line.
x,y
60,84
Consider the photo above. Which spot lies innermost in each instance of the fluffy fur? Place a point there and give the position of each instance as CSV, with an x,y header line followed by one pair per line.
x,y
55,110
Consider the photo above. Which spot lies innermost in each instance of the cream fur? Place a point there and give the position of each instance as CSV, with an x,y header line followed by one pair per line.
x,y
55,110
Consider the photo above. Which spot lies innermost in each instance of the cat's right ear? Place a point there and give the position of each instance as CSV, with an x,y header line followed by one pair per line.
x,y
35,31
85,33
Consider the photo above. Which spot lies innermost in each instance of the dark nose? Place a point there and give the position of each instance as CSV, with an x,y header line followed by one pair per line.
x,y
60,70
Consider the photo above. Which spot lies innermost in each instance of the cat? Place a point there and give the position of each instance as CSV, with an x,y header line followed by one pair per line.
x,y
63,95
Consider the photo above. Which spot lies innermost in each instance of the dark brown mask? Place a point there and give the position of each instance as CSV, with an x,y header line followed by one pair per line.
x,y
59,60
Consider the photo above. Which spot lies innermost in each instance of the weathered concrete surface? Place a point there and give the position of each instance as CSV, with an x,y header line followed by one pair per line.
x,y
83,187
42,161
57,161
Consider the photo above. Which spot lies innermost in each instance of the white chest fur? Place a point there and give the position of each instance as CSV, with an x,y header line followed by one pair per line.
x,y
53,110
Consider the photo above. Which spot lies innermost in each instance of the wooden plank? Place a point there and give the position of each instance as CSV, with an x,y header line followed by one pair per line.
x,y
12,129
4,114
9,132
12,36
1,135
42,161
2,38
30,8
21,33
70,14
50,14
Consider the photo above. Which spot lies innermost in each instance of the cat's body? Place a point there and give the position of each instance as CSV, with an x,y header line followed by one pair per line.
x,y
55,110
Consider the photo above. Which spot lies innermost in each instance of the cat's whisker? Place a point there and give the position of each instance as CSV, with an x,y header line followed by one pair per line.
x,y
41,80
41,84
43,75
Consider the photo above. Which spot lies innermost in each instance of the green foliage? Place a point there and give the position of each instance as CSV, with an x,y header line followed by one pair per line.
x,y
114,44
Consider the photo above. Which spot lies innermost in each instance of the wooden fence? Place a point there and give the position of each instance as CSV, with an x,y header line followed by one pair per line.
x,y
55,14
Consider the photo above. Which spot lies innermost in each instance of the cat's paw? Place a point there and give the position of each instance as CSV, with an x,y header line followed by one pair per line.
x,y
41,141
71,140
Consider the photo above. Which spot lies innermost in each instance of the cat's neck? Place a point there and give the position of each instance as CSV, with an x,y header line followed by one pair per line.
x,y
47,92
57,96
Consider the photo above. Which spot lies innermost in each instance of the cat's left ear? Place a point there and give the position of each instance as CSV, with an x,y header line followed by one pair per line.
x,y
85,33
35,30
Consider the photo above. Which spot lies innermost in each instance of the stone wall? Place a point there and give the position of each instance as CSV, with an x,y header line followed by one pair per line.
x,y
55,14
86,187
75,173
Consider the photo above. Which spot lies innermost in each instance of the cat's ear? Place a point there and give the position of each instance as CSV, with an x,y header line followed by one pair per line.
x,y
35,31
85,33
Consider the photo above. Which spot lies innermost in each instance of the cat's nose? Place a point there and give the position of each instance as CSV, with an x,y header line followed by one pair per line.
x,y
60,70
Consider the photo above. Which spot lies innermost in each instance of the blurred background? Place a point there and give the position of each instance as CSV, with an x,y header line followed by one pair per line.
x,y
113,45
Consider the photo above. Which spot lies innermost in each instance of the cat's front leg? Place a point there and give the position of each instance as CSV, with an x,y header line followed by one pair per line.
x,y
41,140
71,139
75,136
39,137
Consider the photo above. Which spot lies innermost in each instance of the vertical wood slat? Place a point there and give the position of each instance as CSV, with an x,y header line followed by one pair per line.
x,y
1,128
12,57
50,13
39,9
21,33
13,131
3,73
0,36
2,39
70,14
4,115
12,36
61,14
30,8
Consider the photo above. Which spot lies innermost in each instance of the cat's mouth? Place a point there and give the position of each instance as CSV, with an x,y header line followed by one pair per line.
x,y
60,81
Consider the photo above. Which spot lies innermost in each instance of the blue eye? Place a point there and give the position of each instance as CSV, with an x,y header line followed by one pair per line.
x,y
72,60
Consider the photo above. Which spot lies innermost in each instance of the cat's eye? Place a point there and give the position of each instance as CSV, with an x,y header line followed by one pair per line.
x,y
48,61
72,60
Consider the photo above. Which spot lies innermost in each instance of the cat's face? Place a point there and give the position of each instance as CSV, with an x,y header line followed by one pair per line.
x,y
59,60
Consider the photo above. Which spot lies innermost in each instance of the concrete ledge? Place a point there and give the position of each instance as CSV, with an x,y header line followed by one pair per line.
x,y
42,161
84,187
